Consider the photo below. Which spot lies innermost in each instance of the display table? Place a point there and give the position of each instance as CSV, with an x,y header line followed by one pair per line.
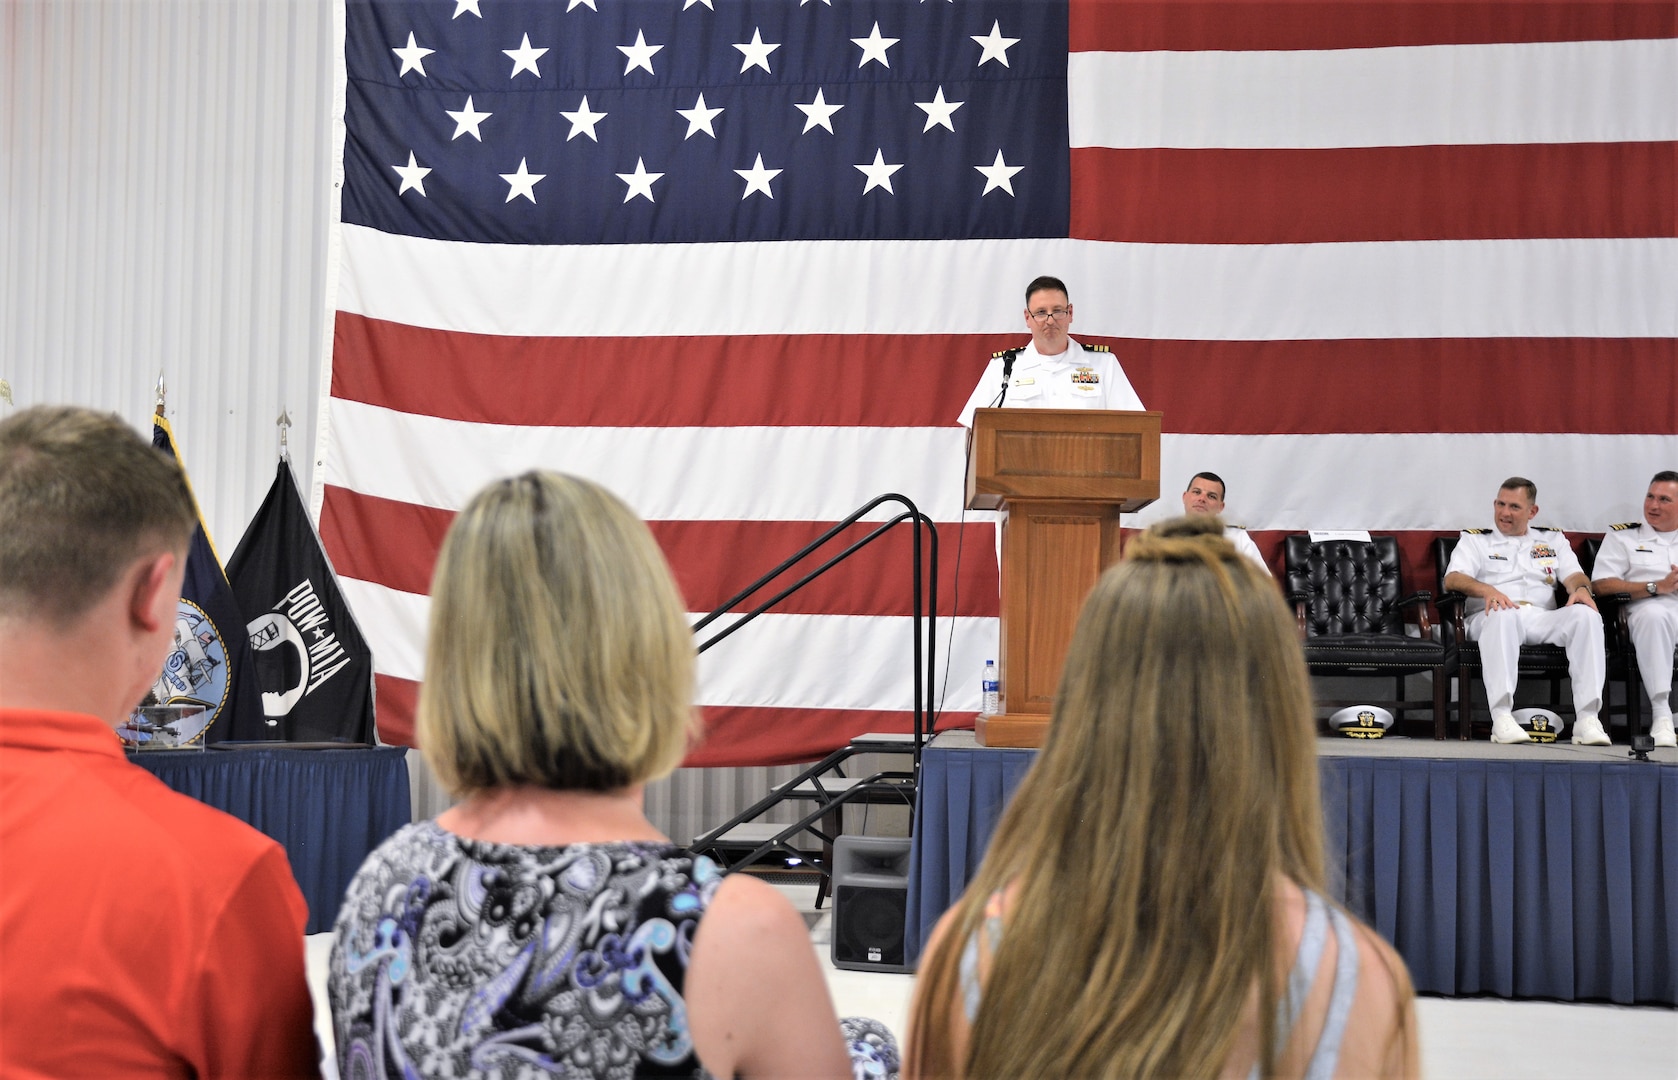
x,y
327,808
1519,871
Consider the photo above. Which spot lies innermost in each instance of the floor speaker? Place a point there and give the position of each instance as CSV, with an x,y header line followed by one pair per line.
x,y
870,902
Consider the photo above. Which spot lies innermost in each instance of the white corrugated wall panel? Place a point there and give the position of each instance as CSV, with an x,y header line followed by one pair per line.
x,y
165,177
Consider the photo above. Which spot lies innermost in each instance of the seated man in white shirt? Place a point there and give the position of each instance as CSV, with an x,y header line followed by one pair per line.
x,y
1205,495
1053,372
1509,576
1641,560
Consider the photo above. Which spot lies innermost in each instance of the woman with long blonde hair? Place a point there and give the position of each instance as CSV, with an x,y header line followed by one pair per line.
x,y
1153,902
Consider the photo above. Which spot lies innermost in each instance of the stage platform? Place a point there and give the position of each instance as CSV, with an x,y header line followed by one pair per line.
x,y
327,808
1516,871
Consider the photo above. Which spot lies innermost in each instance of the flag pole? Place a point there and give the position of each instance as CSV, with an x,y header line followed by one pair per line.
x,y
284,424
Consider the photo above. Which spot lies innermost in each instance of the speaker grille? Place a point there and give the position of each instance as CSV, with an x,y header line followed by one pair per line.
x,y
868,925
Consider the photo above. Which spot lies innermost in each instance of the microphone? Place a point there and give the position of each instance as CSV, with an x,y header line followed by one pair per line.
x,y
1008,357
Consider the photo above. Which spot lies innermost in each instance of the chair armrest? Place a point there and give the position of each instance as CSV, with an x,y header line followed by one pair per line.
x,y
1299,614
1420,599
1453,605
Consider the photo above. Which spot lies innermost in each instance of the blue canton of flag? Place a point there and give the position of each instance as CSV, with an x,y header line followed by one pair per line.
x,y
690,121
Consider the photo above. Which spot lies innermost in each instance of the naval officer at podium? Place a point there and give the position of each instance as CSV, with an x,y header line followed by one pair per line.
x,y
1053,372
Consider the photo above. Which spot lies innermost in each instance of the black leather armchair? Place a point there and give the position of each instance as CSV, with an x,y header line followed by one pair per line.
x,y
1349,601
1547,662
1622,658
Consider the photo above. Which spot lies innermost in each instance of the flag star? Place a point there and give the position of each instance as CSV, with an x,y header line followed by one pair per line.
x,y
524,58
412,174
413,57
461,7
522,182
640,182
466,121
874,47
757,178
755,53
801,3
639,55
579,3
818,113
878,173
996,46
689,3
938,111
998,174
699,118
583,121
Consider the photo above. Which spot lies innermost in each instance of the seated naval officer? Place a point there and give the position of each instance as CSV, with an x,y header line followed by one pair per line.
x,y
1509,575
1205,495
1053,372
1641,560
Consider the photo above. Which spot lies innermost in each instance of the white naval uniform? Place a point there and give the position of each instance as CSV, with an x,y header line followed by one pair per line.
x,y
1526,569
1076,379
1237,535
1639,553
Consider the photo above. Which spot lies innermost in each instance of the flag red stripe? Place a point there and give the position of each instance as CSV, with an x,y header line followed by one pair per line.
x,y
735,735
809,380
1125,26
1222,387
1297,196
395,544
394,702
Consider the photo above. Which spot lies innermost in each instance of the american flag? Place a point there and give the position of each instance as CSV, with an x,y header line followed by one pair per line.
x,y
743,260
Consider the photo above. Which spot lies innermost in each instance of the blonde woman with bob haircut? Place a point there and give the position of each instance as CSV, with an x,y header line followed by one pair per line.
x,y
543,926
1152,904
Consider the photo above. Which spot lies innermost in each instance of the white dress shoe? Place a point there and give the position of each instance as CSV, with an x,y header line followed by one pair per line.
x,y
1505,730
1587,731
1661,731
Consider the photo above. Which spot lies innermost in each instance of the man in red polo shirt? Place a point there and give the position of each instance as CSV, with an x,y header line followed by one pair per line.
x,y
141,932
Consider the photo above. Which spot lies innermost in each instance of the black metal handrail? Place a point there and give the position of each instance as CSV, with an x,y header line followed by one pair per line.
x,y
924,674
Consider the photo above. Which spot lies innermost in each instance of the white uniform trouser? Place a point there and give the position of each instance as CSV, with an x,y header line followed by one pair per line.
x,y
1578,629
1654,629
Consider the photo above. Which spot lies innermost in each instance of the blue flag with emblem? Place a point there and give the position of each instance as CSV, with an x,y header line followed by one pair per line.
x,y
210,663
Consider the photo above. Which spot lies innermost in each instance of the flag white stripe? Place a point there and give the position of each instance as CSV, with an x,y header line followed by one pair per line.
x,y
823,473
750,473
1536,92
1428,481
781,661
1420,289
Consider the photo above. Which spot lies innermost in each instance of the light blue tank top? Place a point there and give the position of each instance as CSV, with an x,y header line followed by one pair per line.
x,y
1320,916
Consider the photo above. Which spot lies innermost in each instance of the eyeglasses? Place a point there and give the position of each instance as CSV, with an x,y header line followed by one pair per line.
x,y
1058,314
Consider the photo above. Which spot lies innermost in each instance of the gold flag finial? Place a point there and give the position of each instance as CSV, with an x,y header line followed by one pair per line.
x,y
162,393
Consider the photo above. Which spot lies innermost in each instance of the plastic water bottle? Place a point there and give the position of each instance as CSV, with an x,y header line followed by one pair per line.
x,y
992,690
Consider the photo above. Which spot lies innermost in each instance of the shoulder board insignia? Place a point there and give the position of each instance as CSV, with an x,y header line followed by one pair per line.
x,y
1545,528
1096,348
1000,354
1476,532
1624,525
1243,528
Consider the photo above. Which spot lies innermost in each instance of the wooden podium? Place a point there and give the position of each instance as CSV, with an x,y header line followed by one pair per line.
x,y
1061,478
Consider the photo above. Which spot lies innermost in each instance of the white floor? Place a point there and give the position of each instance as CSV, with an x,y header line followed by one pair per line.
x,y
1475,1039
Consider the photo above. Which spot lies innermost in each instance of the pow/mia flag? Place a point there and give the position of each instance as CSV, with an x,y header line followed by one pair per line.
x,y
210,662
314,666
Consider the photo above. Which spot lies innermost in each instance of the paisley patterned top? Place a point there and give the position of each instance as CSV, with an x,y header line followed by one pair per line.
x,y
463,958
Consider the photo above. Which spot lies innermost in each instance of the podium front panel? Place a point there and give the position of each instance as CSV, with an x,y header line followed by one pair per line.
x,y
1052,556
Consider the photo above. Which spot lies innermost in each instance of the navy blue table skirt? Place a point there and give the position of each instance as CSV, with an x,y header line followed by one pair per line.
x,y
1520,879
327,808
